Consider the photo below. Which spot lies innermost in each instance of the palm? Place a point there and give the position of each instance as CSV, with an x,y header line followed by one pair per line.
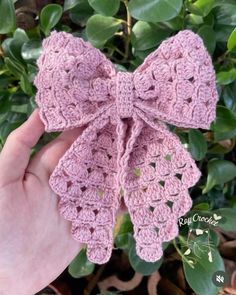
x,y
35,241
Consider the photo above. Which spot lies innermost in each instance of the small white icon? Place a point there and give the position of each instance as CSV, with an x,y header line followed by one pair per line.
x,y
210,257
187,252
220,279
217,217
199,231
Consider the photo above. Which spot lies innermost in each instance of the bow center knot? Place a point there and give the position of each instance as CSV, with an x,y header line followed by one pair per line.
x,y
124,94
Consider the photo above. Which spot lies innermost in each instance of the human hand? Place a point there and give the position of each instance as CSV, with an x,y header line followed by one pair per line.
x,y
35,241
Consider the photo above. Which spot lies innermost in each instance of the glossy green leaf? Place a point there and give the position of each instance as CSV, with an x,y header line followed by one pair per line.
x,y
141,266
201,206
81,266
174,24
224,126
147,35
7,16
122,238
26,85
228,93
222,32
226,77
219,172
49,17
199,278
20,35
6,128
155,10
141,55
225,13
105,7
210,19
226,218
194,19
81,12
197,144
12,46
15,117
231,44
101,28
31,50
69,4
5,104
201,7
208,36
14,67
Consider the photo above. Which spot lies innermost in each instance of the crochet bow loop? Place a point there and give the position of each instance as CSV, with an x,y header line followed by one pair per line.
x,y
176,83
74,82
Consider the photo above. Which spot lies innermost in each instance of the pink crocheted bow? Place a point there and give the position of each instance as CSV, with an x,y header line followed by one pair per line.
x,y
126,150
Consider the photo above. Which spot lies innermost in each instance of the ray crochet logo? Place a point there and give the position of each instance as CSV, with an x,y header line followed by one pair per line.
x,y
198,243
211,220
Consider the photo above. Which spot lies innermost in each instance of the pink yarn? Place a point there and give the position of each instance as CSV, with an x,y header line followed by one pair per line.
x,y
126,146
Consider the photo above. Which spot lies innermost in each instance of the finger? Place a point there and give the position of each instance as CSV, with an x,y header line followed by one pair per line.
x,y
45,161
15,154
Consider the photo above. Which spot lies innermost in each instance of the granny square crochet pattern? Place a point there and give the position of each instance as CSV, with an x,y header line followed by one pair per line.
x,y
126,150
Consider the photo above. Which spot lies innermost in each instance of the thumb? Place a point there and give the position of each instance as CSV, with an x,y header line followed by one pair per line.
x,y
15,154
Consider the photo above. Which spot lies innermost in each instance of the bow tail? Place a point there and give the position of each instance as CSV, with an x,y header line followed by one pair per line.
x,y
160,171
85,180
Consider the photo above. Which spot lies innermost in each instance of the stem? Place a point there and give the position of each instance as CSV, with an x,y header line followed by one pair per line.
x,y
129,26
93,282
181,254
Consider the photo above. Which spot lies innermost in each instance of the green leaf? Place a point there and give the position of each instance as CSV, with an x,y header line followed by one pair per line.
x,y
14,67
7,16
201,206
208,36
222,32
197,144
231,44
49,17
6,128
122,239
219,172
141,266
15,117
228,220
101,28
81,12
174,24
199,278
225,14
201,7
26,85
194,19
228,93
105,7
20,35
31,50
147,35
155,10
69,4
5,104
12,47
224,126
226,77
81,266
